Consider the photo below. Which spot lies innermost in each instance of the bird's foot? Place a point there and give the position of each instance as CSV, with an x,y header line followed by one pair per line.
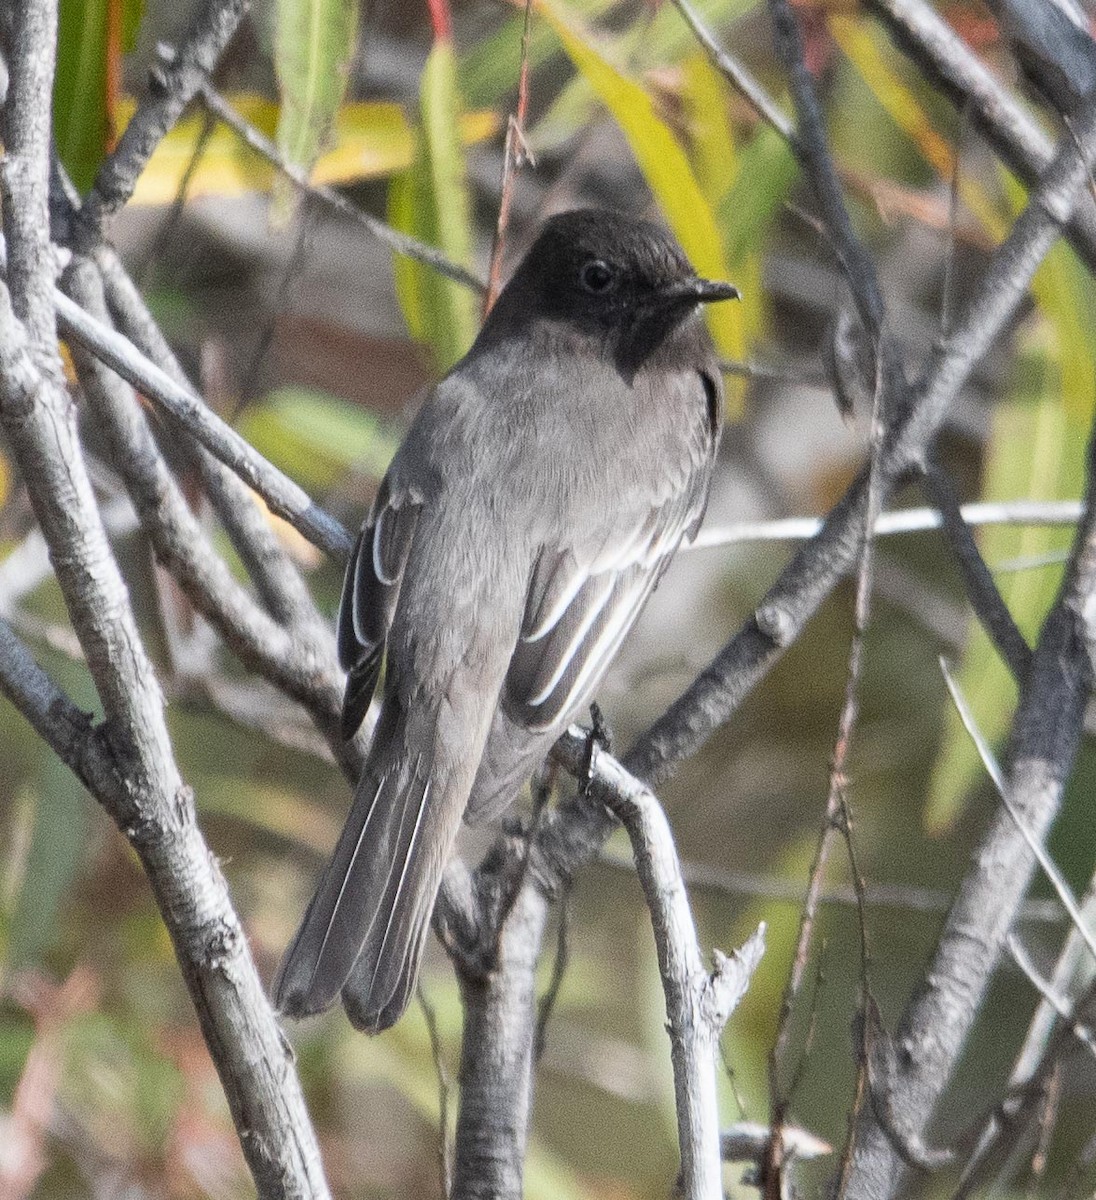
x,y
598,737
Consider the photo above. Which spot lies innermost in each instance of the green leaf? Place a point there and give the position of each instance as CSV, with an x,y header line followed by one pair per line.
x,y
313,45
1036,450
766,172
489,68
664,164
316,436
57,841
431,202
133,12
80,119
403,206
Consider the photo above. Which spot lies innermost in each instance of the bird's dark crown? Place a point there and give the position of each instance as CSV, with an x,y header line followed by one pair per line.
x,y
621,280
593,265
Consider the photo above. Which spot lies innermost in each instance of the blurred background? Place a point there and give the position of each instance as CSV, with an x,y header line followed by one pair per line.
x,y
304,331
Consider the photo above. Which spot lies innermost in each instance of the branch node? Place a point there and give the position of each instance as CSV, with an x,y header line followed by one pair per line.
x,y
775,622
729,979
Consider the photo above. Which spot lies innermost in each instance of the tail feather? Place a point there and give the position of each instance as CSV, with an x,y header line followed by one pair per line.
x,y
381,983
372,868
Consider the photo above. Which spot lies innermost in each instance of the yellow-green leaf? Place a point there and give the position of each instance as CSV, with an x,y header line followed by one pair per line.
x,y
431,201
316,436
313,46
860,44
81,116
704,94
663,162
372,139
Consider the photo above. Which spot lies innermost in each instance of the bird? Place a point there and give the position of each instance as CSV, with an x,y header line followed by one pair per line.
x,y
538,497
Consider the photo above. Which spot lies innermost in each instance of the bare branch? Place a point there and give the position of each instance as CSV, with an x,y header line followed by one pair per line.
x,y
172,86
899,521
985,599
301,665
1058,55
276,577
283,496
1043,744
152,805
919,30
496,1078
402,243
24,172
698,1002
817,567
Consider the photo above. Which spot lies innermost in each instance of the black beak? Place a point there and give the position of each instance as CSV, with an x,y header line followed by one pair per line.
x,y
699,291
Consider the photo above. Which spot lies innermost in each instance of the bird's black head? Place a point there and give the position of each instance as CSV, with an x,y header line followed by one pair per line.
x,y
620,280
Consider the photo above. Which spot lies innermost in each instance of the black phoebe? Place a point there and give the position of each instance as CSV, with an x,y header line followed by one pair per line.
x,y
539,495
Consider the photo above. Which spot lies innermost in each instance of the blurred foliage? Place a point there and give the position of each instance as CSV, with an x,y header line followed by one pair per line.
x,y
317,437
431,202
664,165
92,37
369,140
314,43
625,109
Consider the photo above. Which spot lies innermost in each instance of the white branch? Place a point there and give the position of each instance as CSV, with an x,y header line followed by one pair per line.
x,y
698,1002
907,520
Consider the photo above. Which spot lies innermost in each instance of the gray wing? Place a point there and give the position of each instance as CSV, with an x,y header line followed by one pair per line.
x,y
581,603
371,589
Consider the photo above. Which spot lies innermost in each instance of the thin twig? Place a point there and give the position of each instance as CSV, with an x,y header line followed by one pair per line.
x,y
739,77
174,82
815,155
819,168
900,896
922,33
948,285
986,601
900,521
402,243
1057,880
283,496
1083,1033
514,154
445,1150
560,961
174,214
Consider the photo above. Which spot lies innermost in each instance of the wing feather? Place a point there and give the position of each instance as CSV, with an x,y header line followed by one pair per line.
x,y
371,589
580,606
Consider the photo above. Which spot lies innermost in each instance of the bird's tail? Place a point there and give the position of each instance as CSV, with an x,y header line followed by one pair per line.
x,y
368,920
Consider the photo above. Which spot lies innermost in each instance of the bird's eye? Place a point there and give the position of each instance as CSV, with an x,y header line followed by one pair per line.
x,y
597,277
